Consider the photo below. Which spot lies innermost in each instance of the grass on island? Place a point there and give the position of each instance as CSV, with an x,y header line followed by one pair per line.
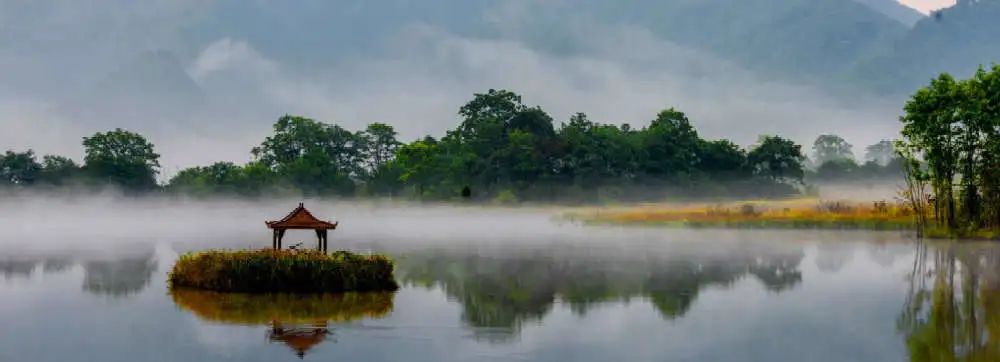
x,y
797,213
256,271
257,309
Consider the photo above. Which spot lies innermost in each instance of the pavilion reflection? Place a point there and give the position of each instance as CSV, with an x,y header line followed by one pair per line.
x,y
300,321
499,293
952,312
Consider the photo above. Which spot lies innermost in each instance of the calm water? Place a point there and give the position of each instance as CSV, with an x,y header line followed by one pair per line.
x,y
499,286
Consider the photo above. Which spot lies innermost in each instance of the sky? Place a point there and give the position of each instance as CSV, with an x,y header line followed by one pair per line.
x,y
926,6
203,92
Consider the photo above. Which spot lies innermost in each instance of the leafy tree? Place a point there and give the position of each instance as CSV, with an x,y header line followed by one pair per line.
x,y
122,158
315,157
831,147
722,160
837,170
378,144
669,146
19,168
881,153
58,170
777,158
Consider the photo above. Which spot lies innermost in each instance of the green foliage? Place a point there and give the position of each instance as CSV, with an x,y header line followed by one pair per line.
x,y
121,158
19,168
778,159
283,271
501,148
315,157
953,127
830,147
58,170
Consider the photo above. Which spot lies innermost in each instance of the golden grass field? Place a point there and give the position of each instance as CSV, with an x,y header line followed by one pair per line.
x,y
793,213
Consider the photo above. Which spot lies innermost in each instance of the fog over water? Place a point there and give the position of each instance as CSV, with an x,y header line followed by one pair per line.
x,y
479,283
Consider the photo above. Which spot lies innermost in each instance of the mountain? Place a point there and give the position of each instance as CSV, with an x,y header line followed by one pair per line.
x,y
895,10
801,40
955,40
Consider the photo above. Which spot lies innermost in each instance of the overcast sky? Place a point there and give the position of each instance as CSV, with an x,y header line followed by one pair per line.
x,y
205,93
926,6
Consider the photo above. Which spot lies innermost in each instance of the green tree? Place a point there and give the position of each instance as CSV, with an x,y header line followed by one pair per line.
x,y
19,168
121,158
316,157
830,147
58,170
722,160
669,146
777,158
379,145
881,153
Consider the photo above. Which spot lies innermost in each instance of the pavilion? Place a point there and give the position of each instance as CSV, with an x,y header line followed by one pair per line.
x,y
300,219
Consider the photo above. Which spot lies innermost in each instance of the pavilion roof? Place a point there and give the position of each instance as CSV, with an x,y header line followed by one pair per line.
x,y
300,218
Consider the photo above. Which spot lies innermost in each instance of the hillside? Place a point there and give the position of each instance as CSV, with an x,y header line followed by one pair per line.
x,y
955,40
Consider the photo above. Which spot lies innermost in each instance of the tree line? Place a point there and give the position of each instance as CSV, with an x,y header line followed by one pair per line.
x,y
951,145
502,149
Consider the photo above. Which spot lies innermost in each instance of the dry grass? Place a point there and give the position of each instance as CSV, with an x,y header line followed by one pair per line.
x,y
798,213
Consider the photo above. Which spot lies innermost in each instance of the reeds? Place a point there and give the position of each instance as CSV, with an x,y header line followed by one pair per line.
x,y
788,214
255,271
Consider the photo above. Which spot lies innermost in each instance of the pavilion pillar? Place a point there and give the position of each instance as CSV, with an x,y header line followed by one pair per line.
x,y
326,239
274,239
319,239
281,235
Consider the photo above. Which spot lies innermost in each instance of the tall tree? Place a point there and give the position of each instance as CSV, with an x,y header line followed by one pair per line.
x,y
777,158
669,146
122,158
880,153
830,147
314,156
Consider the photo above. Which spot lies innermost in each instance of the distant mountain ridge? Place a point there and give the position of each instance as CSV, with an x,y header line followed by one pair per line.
x,y
895,10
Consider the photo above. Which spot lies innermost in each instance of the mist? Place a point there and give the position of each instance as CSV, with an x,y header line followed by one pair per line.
x,y
203,89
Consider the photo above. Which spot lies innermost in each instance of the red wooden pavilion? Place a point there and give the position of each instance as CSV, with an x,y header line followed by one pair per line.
x,y
300,219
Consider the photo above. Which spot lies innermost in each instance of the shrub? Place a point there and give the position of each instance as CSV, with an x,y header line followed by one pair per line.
x,y
283,271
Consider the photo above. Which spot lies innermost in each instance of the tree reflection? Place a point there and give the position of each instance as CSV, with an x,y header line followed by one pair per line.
x,y
12,268
952,312
499,294
118,278
300,321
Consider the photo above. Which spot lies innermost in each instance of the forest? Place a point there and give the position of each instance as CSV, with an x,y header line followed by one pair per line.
x,y
502,150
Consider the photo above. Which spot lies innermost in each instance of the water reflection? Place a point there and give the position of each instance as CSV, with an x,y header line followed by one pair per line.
x,y
952,312
13,268
499,293
118,278
300,321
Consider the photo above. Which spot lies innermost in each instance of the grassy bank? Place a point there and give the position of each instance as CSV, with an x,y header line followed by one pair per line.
x,y
256,271
799,213
257,309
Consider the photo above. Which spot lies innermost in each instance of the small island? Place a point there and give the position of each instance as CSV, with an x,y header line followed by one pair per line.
x,y
277,270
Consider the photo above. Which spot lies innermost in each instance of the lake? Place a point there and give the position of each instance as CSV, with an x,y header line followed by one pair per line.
x,y
85,281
